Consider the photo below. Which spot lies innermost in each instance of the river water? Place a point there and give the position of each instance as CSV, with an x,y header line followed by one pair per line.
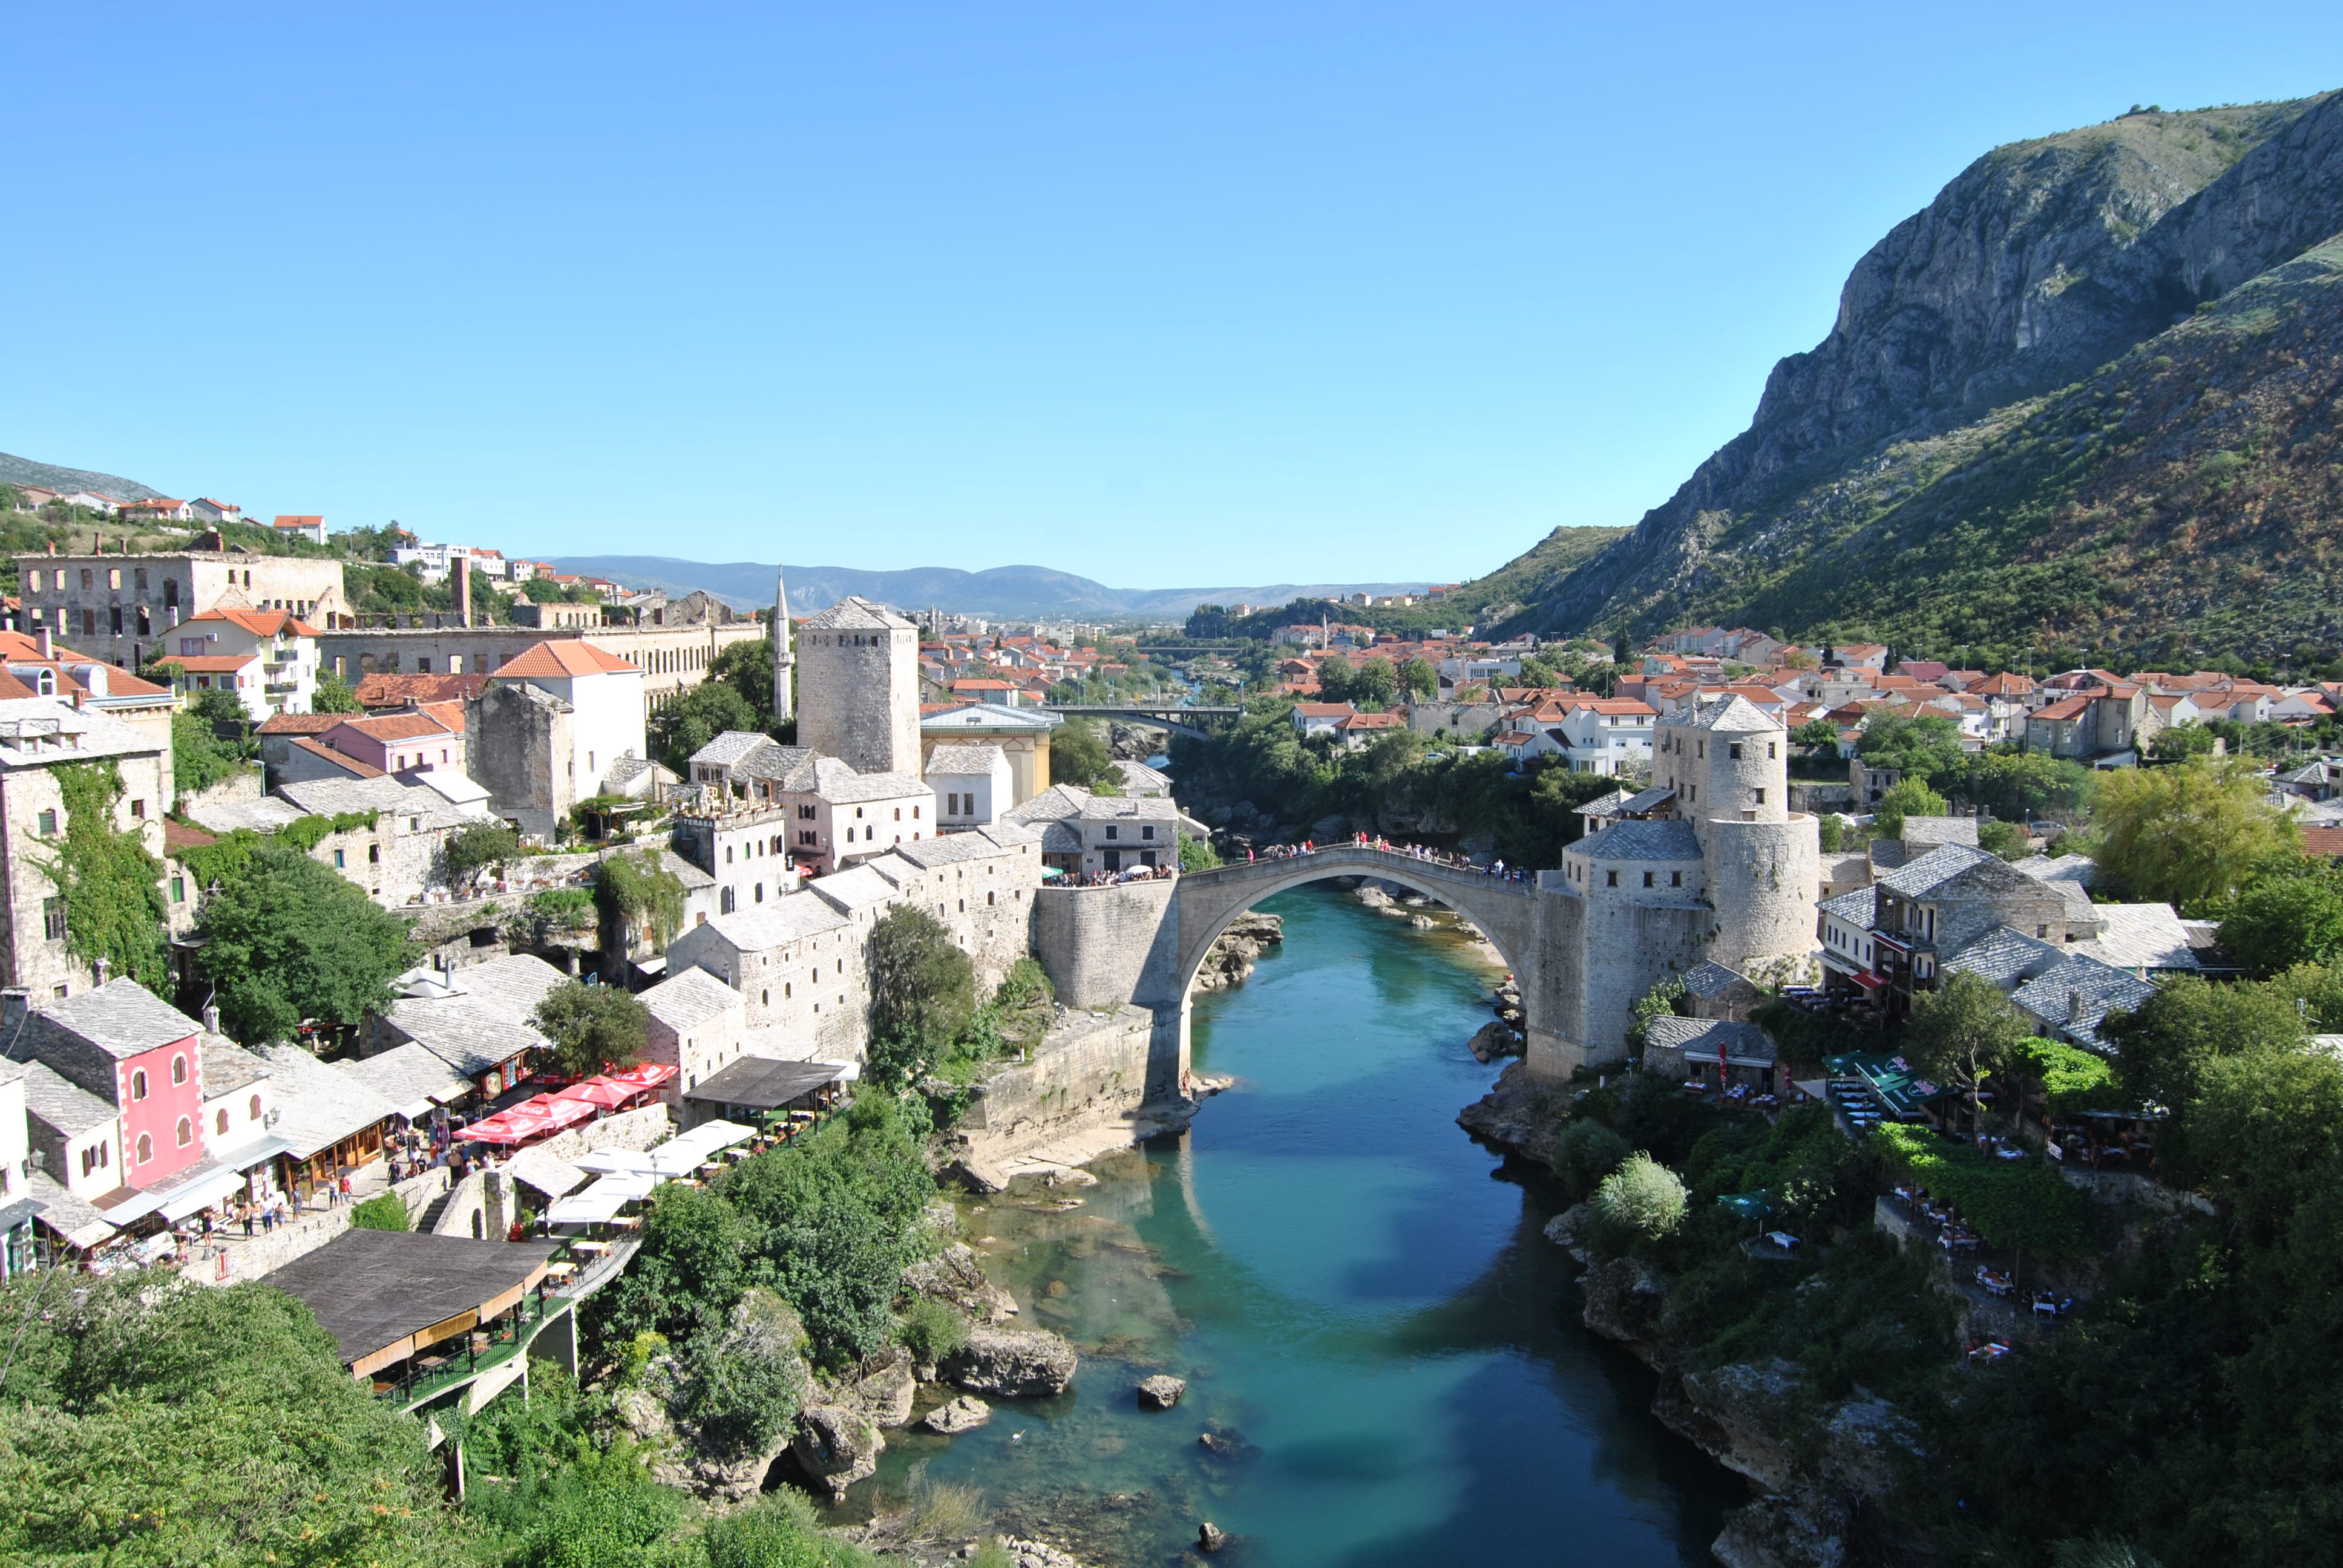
x,y
1361,1305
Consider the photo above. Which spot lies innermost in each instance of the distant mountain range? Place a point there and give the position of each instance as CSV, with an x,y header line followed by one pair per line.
x,y
25,472
1002,593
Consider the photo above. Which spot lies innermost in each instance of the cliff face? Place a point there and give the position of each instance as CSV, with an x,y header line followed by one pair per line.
x,y
2042,262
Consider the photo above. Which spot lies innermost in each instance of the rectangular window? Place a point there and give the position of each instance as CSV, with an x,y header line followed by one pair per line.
x,y
340,860
1114,832
179,889
138,810
114,618
53,919
373,854
140,577
1760,797
48,824
1648,878
84,577
35,581
1733,752
88,620
1675,879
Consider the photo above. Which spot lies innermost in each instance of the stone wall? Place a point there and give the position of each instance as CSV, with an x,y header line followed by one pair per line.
x,y
518,744
1106,947
1092,1073
479,1207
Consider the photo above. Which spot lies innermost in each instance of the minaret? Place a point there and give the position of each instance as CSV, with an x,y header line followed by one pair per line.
x,y
785,659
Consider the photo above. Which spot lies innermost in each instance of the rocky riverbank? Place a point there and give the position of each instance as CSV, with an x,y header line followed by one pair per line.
x,y
1236,951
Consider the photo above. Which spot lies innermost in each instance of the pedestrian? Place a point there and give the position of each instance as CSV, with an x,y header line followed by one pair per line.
x,y
346,1187
245,1210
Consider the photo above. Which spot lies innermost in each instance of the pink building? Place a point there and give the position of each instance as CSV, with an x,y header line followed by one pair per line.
x,y
130,1051
396,742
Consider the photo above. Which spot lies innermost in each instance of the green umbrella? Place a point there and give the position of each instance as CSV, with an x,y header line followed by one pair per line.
x,y
1748,1205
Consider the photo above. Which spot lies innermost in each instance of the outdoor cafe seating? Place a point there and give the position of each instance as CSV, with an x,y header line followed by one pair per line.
x,y
1997,1285
2050,1304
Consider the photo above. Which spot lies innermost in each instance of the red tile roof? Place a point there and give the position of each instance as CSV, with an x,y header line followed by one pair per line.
x,y
401,690
564,658
259,622
395,726
299,723
2326,843
207,663
351,764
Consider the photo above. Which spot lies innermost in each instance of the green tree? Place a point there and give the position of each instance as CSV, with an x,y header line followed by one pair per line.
x,y
286,939
2181,742
697,1258
2007,839
2163,1048
1926,746
1642,1195
1197,854
2020,786
199,759
1078,756
1374,684
748,668
1819,732
1909,798
696,717
1418,677
479,847
592,1027
1585,1154
2282,921
1663,1001
1337,681
109,886
1963,1032
253,1445
2192,833
332,697
923,992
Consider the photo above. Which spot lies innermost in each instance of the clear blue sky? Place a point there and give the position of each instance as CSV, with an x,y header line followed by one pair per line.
x,y
1164,294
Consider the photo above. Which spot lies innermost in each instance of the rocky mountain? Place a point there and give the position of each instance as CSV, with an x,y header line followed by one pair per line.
x,y
1007,592
25,472
2084,401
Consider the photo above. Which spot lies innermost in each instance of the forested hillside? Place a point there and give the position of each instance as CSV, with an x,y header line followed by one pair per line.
x,y
2085,403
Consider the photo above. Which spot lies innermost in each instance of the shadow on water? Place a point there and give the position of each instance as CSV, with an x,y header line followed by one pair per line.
x,y
1376,1331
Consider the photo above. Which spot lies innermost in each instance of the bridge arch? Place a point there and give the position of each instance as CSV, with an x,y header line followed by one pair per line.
x,y
1210,901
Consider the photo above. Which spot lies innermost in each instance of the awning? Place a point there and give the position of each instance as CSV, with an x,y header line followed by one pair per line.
x,y
604,1160
604,1092
643,1075
594,1206
202,1194
1867,980
531,1118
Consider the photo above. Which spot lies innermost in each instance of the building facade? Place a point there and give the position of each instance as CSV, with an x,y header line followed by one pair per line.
x,y
859,687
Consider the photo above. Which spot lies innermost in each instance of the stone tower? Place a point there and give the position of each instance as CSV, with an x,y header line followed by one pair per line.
x,y
860,692
1729,765
785,658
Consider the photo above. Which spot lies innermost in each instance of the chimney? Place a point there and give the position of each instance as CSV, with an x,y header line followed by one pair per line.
x,y
42,635
102,967
462,587
211,1017
15,1003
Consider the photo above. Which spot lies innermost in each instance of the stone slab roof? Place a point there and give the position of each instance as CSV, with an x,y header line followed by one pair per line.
x,y
1708,981
1055,804
2077,992
61,1103
688,1000
2140,937
407,1075
317,1104
120,1018
93,734
1934,831
729,747
1915,878
1735,716
2007,957
227,1066
992,718
1858,908
1698,1038
2059,868
855,613
1631,841
782,921
964,761
853,889
484,1022
780,763
264,815
683,870
335,797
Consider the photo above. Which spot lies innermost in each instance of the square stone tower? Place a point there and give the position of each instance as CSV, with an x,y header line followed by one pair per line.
x,y
859,688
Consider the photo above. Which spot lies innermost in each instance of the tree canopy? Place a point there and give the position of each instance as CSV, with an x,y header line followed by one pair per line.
x,y
1964,1030
923,992
697,716
2191,833
1078,756
287,939
1908,798
2282,921
1923,746
593,1028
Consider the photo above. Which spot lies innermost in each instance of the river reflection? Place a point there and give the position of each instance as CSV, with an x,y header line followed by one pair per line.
x,y
1368,1316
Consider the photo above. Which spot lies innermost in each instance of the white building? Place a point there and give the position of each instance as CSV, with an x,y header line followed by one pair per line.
x,y
698,1025
605,694
972,784
269,657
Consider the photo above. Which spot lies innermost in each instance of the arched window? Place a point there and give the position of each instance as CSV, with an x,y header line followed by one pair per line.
x,y
219,1123
254,1113
138,1088
145,1149
186,1130
178,1070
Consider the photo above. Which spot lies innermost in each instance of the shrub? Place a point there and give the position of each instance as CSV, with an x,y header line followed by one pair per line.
x,y
592,1027
384,1211
1642,1195
779,1530
1586,1152
931,1329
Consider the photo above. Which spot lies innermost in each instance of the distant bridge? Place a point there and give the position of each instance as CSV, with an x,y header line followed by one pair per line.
x,y
1169,715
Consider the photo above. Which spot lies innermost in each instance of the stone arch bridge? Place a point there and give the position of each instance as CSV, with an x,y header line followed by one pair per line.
x,y
1506,912
1142,942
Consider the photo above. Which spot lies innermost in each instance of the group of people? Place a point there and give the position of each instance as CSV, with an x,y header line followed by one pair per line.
x,y
1113,878
1449,857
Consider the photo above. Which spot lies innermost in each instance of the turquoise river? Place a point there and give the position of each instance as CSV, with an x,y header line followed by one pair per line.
x,y
1359,1297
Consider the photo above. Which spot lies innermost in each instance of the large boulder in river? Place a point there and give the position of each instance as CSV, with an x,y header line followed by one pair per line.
x,y
962,1414
1012,1363
1161,1391
1624,1301
886,1393
837,1446
955,1277
1495,1037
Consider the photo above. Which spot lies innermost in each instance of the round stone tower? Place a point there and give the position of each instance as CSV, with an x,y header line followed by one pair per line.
x,y
859,688
1763,859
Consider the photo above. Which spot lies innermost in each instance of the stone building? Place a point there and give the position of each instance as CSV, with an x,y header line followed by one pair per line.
x,y
1021,733
972,784
698,1025
605,694
518,741
119,606
673,657
859,688
1708,864
760,801
798,964
38,735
